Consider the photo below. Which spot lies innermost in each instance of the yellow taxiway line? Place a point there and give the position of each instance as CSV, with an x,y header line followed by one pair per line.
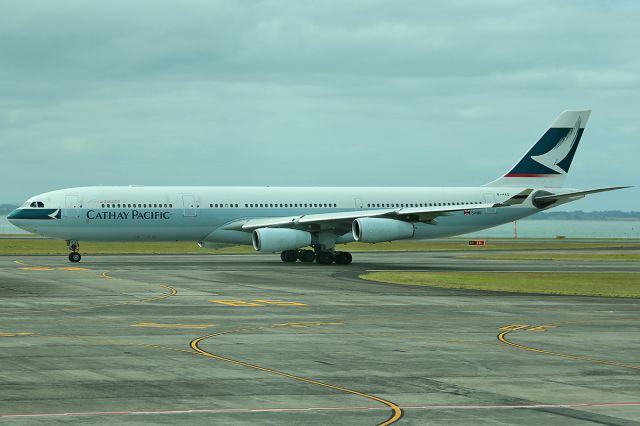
x,y
502,337
396,410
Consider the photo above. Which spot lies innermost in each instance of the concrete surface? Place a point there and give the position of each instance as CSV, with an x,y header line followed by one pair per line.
x,y
109,340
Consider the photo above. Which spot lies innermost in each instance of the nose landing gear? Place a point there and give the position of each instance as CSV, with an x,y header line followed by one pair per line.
x,y
74,256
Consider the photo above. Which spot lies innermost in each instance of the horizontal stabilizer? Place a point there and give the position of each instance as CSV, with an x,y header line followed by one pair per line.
x,y
567,195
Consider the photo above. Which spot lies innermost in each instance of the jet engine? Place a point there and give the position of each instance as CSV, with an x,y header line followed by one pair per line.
x,y
279,239
375,230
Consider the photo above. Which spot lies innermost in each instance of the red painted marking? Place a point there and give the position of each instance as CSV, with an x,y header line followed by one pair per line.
x,y
527,175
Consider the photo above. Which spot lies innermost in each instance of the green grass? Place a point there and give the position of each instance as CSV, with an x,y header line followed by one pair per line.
x,y
609,257
39,246
620,284
45,246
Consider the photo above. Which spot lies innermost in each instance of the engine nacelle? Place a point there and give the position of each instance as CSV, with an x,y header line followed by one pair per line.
x,y
376,230
279,239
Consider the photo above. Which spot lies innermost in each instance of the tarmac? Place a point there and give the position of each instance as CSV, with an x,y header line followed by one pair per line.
x,y
246,339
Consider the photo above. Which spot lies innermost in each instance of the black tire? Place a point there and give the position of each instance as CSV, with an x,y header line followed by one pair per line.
x,y
324,258
74,257
306,256
343,258
289,256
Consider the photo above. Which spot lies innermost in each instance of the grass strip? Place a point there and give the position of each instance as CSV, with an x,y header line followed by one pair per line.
x,y
24,246
607,284
609,257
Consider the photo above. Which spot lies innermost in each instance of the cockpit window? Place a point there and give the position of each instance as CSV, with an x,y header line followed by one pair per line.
x,y
33,204
40,204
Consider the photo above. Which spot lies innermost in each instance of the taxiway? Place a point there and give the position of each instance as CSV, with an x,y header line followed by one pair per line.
x,y
246,339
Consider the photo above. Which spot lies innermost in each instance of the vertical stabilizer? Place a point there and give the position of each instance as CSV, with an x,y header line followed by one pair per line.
x,y
547,163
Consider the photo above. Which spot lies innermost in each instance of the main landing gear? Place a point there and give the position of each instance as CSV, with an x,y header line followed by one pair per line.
x,y
321,257
74,256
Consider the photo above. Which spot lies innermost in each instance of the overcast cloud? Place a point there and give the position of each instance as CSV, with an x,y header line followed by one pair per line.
x,y
372,93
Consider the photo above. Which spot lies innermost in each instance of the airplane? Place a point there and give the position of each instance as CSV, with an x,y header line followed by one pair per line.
x,y
289,219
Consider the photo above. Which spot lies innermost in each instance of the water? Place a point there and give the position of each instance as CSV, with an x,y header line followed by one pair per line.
x,y
526,229
567,228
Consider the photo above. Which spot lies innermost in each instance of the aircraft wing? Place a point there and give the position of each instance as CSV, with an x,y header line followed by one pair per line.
x,y
342,220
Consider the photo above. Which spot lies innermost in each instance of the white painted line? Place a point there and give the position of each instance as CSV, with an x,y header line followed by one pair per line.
x,y
307,409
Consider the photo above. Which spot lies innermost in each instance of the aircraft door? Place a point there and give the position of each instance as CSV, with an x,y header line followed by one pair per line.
x,y
71,206
490,197
189,202
358,202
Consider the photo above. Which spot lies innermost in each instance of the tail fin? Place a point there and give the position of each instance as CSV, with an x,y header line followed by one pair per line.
x,y
547,163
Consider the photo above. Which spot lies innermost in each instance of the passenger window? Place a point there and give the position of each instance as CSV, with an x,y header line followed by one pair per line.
x,y
103,206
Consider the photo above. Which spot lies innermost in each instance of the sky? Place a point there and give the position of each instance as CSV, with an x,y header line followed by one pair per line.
x,y
298,93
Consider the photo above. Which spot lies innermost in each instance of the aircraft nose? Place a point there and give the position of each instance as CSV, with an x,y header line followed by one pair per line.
x,y
13,215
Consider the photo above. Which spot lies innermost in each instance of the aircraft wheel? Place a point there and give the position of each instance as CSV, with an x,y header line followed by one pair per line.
x,y
289,256
306,256
324,258
74,257
343,258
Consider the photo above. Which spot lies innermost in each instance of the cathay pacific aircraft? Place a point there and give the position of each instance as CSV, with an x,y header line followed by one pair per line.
x,y
286,220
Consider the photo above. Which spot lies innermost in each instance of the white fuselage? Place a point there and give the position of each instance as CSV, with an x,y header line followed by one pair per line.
x,y
200,213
